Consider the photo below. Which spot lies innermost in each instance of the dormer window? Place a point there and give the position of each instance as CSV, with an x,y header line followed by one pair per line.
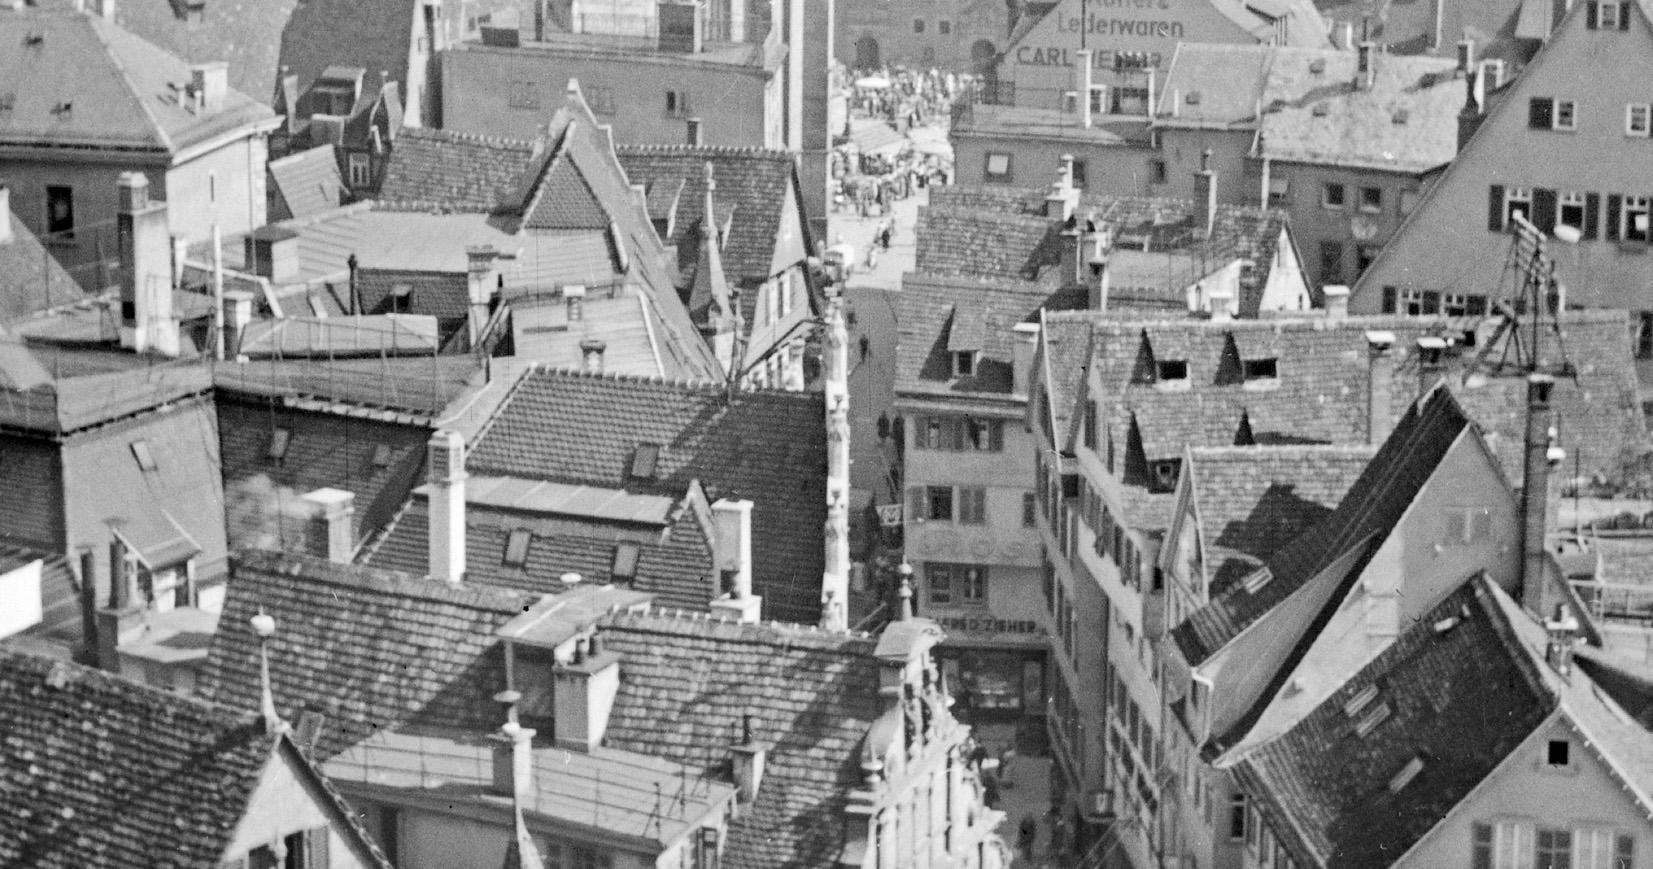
x,y
964,363
1165,474
643,461
1261,370
1171,369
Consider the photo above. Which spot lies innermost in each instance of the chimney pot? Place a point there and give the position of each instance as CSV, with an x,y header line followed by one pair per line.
x,y
732,523
330,533
1380,375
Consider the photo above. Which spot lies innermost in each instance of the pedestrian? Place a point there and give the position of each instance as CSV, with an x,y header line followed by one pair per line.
x,y
1025,838
883,426
866,347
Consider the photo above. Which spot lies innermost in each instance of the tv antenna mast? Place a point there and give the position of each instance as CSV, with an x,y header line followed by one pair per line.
x,y
1530,317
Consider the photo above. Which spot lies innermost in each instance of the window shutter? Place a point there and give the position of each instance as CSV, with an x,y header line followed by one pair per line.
x,y
1540,112
1592,215
1590,16
1543,209
1624,16
1431,301
1614,203
317,840
917,502
1389,300
1495,208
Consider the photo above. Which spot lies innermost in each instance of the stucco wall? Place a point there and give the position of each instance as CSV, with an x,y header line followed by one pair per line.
x,y
287,802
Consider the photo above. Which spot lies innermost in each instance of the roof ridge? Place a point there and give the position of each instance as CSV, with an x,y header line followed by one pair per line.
x,y
467,136
684,149
679,384
380,580
681,623
73,673
94,23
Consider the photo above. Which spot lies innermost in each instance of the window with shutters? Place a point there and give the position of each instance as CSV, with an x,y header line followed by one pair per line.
x,y
1634,221
1517,200
972,505
1569,210
1610,16
1638,120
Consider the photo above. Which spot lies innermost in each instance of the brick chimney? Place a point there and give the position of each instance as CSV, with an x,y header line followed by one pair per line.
x,y
1380,386
329,533
210,83
1205,191
147,324
445,454
583,691
733,548
1542,453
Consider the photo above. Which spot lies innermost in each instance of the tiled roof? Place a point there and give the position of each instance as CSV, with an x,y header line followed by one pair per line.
x,y
1323,382
1628,561
1312,110
753,183
448,170
369,649
1363,518
685,685
244,33
1461,696
376,460
1407,121
94,85
1002,233
674,561
375,35
763,445
98,771
31,279
443,295
1254,500
929,309
306,184
1067,345
410,389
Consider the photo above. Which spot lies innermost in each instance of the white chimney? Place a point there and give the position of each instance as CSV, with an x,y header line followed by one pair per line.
x,y
482,284
147,325
330,533
1380,378
748,758
1205,191
583,692
5,214
733,524
1366,65
1063,197
514,760
210,83
446,458
1222,304
591,355
1337,302
1083,74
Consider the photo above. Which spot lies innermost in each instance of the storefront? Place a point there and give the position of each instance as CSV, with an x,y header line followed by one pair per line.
x,y
994,667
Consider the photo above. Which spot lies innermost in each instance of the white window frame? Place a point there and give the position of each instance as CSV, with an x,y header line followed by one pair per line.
x,y
1638,120
1514,196
1571,199
1571,125
1634,205
1607,15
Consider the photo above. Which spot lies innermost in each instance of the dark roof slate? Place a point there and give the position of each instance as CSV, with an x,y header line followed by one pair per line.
x,y
369,649
687,683
1461,699
763,445
449,170
373,35
928,313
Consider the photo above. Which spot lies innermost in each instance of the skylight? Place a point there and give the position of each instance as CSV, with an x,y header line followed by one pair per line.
x,y
140,452
279,438
1378,715
1360,700
644,460
625,561
1406,774
516,547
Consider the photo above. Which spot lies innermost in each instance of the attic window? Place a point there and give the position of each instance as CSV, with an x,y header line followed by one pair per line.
x,y
643,461
1171,369
1261,369
1165,474
516,548
279,439
1358,702
1560,753
1406,774
140,452
381,456
1376,716
964,363
625,561
401,296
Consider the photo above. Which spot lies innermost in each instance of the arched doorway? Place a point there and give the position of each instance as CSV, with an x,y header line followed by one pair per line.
x,y
982,54
866,53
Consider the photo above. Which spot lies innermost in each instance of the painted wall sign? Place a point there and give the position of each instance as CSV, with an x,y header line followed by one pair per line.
x,y
1101,58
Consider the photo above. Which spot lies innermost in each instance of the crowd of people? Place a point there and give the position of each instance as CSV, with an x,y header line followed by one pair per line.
x,y
871,182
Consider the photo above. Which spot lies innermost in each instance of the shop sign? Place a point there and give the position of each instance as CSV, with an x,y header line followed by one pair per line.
x,y
889,515
980,624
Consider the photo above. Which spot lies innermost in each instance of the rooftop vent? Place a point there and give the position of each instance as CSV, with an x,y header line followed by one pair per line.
x,y
1321,110
1406,774
1360,700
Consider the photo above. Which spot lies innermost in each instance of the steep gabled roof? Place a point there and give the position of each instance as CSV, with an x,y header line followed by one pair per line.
x,y
1460,696
932,308
373,35
94,85
449,170
767,446
367,649
752,184
1252,501
1364,517
685,685
246,34
306,184
98,771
